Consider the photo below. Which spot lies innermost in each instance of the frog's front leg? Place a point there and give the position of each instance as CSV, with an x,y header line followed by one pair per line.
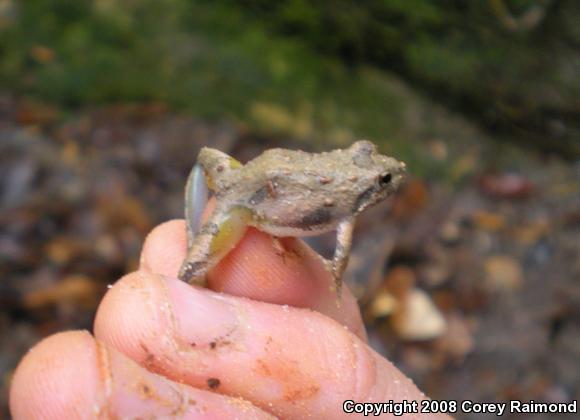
x,y
216,238
341,252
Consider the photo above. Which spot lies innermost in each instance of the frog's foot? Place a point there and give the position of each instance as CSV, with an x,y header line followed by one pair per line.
x,y
331,267
193,273
337,286
215,239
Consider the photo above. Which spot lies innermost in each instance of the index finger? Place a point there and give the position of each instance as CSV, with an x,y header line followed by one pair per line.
x,y
284,271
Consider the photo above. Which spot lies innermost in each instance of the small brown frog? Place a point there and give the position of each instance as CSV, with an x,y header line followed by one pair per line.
x,y
284,193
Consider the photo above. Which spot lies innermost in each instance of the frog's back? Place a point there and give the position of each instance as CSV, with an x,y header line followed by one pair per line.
x,y
298,160
296,189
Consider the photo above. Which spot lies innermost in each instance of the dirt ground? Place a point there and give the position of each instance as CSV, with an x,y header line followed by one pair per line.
x,y
494,258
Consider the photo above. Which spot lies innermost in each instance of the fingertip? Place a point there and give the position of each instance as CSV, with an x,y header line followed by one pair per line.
x,y
165,248
56,376
130,315
166,245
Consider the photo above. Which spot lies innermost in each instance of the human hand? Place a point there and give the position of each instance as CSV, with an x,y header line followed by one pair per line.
x,y
165,349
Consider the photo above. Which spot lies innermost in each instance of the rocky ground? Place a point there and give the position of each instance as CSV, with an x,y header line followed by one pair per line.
x,y
470,286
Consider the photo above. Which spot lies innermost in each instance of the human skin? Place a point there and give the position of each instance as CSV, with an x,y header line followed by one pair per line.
x,y
268,339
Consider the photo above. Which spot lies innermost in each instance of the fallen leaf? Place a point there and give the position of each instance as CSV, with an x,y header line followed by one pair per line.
x,y
30,112
384,304
507,185
412,198
503,273
77,289
531,233
450,233
42,54
399,281
488,221
121,210
62,249
457,342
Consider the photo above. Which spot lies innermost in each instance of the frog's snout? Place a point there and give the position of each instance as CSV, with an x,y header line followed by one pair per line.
x,y
402,168
399,172
399,169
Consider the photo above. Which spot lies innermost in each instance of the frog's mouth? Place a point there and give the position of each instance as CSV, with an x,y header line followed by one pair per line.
x,y
378,192
365,198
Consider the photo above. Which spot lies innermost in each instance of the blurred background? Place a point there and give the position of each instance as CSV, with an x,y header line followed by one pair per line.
x,y
469,279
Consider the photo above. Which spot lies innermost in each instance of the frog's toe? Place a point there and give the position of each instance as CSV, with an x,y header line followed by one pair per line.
x,y
337,285
193,273
332,268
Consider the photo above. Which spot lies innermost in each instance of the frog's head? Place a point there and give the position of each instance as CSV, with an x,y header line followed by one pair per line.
x,y
381,175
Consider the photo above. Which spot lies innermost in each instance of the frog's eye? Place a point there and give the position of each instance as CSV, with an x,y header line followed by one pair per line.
x,y
384,179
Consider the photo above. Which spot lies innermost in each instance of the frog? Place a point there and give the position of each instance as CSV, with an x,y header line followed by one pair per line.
x,y
285,193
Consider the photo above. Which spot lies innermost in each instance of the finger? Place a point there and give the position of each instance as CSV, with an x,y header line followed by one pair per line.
x,y
288,361
165,246
275,270
70,375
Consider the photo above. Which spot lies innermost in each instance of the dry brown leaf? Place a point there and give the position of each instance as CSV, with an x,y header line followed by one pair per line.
x,y
399,281
62,249
384,304
457,342
76,289
42,54
506,185
30,112
530,234
503,273
412,198
489,221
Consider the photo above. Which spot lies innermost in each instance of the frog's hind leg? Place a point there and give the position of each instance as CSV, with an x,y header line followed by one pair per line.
x,y
196,197
215,239
341,253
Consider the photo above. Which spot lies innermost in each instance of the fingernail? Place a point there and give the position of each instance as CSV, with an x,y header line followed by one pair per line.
x,y
202,317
